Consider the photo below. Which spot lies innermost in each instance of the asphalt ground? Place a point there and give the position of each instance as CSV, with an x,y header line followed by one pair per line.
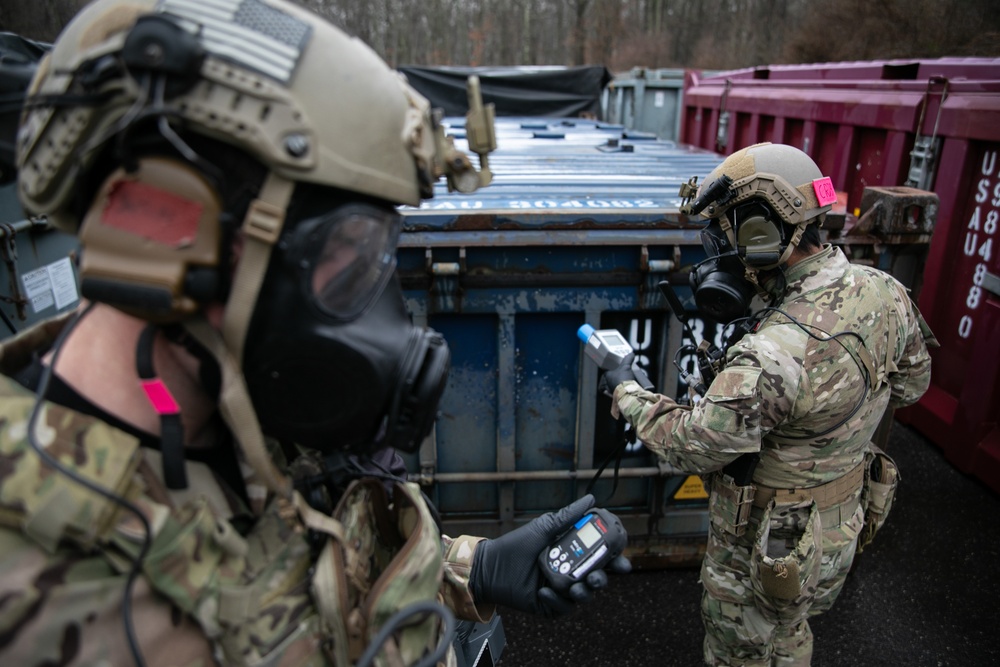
x,y
925,593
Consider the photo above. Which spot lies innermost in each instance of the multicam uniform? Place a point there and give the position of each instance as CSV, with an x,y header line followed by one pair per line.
x,y
779,395
221,583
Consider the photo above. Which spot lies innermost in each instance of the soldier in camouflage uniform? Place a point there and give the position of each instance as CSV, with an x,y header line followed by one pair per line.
x,y
804,391
196,469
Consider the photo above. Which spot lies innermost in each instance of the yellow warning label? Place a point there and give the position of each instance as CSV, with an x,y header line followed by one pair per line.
x,y
691,489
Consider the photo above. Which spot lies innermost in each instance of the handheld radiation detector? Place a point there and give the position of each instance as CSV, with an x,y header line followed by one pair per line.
x,y
592,541
606,347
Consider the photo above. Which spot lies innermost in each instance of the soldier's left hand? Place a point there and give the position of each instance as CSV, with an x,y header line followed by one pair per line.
x,y
628,370
505,570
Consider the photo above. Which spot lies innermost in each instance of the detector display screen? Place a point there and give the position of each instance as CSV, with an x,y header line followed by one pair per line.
x,y
613,338
588,534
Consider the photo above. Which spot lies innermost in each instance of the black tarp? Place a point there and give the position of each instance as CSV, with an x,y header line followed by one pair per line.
x,y
18,59
559,92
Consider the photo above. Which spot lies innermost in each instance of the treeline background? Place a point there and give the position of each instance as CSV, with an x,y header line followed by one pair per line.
x,y
621,34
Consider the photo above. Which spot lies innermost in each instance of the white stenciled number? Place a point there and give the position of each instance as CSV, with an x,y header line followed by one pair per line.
x,y
975,294
979,275
987,191
986,250
965,326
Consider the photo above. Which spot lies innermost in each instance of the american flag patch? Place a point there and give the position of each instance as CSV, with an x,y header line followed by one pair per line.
x,y
246,32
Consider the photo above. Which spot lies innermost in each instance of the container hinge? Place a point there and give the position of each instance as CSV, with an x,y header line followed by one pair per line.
x,y
654,265
722,134
922,157
921,172
991,283
445,287
444,269
722,131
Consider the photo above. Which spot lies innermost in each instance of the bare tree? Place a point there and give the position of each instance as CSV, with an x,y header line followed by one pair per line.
x,y
621,34
37,20
863,30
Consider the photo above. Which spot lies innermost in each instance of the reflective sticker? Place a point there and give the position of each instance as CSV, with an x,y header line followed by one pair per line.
x,y
152,213
825,194
160,397
691,489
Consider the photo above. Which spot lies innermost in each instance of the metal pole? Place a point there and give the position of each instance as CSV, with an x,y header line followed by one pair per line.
x,y
537,475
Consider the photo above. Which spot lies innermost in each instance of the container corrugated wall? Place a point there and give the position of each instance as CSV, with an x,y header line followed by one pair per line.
x,y
933,125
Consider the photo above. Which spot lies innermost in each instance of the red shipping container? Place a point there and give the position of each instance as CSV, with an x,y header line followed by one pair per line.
x,y
933,125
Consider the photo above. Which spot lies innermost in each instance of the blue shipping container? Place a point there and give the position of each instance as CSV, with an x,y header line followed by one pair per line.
x,y
579,226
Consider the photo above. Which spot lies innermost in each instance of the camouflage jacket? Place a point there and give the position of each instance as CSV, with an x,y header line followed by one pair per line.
x,y
785,386
217,585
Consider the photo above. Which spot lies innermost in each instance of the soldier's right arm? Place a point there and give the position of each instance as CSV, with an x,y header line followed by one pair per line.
x,y
913,367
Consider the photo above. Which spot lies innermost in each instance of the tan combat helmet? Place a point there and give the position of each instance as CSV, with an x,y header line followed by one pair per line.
x,y
304,98
308,102
269,78
783,176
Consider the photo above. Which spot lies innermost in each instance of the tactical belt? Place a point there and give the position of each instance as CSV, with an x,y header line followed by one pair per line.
x,y
826,495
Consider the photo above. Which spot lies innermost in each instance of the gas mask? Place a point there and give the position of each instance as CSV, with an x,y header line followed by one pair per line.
x,y
332,360
725,282
721,291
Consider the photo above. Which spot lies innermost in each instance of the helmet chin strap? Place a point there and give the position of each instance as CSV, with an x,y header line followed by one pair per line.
x,y
238,412
261,229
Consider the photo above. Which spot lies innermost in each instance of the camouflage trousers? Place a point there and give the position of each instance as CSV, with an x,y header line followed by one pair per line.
x,y
745,625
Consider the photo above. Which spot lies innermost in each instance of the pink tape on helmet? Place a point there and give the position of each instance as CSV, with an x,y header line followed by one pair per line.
x,y
825,194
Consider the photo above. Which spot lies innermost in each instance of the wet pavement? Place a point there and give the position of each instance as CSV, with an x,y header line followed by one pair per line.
x,y
925,593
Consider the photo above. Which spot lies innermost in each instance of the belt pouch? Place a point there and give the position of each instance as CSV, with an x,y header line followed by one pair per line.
x,y
729,505
878,493
784,565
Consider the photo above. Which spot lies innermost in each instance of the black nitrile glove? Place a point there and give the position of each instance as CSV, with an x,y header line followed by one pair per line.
x,y
627,370
505,570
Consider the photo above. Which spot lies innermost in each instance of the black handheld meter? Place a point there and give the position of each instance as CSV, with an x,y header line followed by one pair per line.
x,y
592,541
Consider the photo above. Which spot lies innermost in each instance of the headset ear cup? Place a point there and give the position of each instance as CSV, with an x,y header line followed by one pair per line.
x,y
150,238
759,241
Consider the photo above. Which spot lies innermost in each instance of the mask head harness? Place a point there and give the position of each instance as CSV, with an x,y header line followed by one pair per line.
x,y
759,202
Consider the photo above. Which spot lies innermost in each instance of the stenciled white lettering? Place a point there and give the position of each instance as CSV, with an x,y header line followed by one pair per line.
x,y
979,235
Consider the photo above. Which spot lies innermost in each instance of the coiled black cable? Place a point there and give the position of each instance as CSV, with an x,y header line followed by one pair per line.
x,y
396,621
